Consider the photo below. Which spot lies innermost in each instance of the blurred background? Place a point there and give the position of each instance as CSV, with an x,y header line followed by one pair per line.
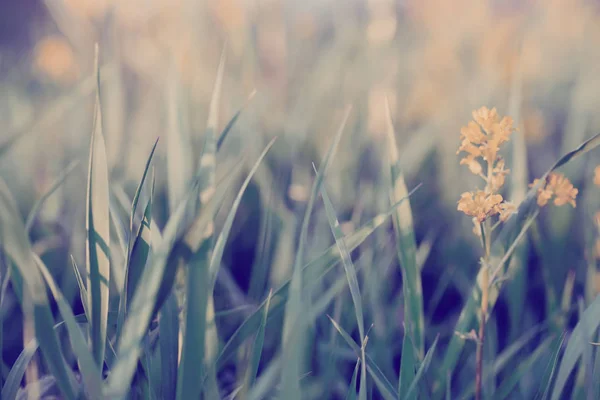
x,y
434,60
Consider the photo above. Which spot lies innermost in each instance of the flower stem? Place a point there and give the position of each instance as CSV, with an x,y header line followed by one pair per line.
x,y
484,284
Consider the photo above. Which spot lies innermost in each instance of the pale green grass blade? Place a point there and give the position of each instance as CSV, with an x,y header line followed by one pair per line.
x,y
219,248
168,324
423,368
17,372
548,377
577,344
346,261
386,389
507,386
293,327
140,187
406,247
352,388
55,185
198,294
506,241
92,376
232,121
28,281
83,295
257,347
350,271
318,267
408,363
98,234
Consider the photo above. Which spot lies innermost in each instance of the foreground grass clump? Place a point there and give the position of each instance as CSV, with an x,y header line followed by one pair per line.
x,y
163,309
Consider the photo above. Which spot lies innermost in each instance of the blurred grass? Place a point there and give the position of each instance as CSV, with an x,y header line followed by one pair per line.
x,y
268,276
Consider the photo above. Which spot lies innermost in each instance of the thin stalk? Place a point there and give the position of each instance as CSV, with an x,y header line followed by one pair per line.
x,y
484,284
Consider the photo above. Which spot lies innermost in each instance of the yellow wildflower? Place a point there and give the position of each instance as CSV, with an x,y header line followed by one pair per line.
x,y
481,206
506,210
558,186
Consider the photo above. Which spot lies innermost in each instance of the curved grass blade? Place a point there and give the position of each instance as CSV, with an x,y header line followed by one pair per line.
x,y
257,347
316,268
385,387
55,185
577,345
293,326
232,121
82,290
507,386
422,369
98,233
92,376
407,248
352,388
548,377
352,284
512,229
28,281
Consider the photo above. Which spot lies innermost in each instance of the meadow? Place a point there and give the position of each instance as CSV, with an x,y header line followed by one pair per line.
x,y
373,199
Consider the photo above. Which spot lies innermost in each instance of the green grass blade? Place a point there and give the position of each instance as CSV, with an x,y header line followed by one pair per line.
x,y
352,388
197,286
346,261
406,247
92,376
168,325
257,347
385,387
318,267
28,281
293,322
408,363
549,374
140,187
55,185
232,122
219,248
83,295
422,369
577,345
507,386
98,234
505,241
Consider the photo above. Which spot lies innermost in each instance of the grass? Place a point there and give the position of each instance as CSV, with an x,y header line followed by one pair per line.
x,y
240,266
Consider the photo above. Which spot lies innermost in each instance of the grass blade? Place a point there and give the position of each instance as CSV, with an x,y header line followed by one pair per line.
x,y
293,322
422,369
83,295
28,281
92,376
386,388
198,294
352,388
98,234
548,378
168,324
577,345
40,202
257,347
232,121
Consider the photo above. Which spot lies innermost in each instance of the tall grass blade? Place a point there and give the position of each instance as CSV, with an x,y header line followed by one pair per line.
x,y
83,295
549,374
92,375
293,322
55,185
98,234
232,121
198,296
423,368
257,347
28,281
352,388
